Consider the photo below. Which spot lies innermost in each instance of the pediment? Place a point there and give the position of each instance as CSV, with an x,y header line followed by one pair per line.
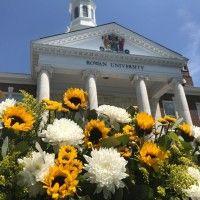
x,y
111,38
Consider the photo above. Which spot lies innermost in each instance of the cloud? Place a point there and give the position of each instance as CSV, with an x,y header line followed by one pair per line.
x,y
191,29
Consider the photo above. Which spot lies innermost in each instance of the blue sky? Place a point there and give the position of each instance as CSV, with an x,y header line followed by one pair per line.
x,y
172,23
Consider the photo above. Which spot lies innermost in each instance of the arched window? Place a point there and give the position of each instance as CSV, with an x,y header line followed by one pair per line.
x,y
85,11
76,12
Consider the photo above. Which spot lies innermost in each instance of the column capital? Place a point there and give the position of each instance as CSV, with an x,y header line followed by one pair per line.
x,y
91,72
136,77
47,68
175,81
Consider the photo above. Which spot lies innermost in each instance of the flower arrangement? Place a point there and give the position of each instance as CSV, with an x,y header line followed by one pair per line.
x,y
62,150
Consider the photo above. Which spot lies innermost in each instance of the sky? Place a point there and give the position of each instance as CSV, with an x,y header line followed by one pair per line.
x,y
172,23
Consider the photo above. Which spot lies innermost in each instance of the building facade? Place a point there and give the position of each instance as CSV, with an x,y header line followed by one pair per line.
x,y
116,66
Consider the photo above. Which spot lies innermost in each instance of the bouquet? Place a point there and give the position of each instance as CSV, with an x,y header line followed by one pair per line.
x,y
63,150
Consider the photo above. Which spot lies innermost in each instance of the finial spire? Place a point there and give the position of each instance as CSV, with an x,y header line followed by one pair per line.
x,y
82,13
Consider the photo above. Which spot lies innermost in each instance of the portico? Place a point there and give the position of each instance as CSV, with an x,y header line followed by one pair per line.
x,y
141,82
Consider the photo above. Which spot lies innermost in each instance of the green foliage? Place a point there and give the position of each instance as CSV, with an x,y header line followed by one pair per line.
x,y
9,169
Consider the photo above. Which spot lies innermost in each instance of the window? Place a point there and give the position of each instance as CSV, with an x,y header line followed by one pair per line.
x,y
198,109
76,12
85,11
169,108
92,13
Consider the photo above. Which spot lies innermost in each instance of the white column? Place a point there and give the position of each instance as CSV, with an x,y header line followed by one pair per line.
x,y
90,77
43,85
142,95
155,108
181,100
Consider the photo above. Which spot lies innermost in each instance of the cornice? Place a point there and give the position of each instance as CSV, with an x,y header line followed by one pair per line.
x,y
100,55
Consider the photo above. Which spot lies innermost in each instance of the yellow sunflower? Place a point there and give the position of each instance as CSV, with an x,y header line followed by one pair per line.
x,y
59,183
186,131
170,119
75,98
75,167
144,122
162,120
125,152
130,131
18,119
54,106
66,155
152,155
95,131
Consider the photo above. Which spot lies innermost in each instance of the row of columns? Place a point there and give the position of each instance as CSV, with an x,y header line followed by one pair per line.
x,y
90,77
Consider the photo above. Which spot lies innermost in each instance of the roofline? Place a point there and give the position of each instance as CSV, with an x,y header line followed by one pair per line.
x,y
123,28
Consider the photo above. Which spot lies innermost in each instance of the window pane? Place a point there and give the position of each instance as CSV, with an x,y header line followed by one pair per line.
x,y
76,12
85,11
169,108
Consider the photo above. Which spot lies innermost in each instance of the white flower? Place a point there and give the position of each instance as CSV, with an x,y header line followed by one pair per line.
x,y
194,191
194,173
115,113
106,168
196,132
6,104
63,132
36,166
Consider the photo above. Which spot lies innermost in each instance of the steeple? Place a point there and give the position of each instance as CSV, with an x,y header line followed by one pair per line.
x,y
82,14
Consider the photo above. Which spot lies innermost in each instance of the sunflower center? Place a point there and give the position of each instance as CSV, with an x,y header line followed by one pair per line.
x,y
151,155
95,135
75,100
16,119
59,179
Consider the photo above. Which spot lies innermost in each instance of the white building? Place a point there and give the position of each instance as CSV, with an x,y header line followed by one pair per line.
x,y
116,65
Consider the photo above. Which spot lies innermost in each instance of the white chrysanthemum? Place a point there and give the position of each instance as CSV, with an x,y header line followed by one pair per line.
x,y
194,173
6,104
36,166
106,168
115,113
196,132
194,191
63,131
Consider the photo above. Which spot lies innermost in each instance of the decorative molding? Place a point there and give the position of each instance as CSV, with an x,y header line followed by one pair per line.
x,y
89,72
136,77
99,55
47,68
116,29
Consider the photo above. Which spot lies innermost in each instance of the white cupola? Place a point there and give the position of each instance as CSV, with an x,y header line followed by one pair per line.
x,y
82,14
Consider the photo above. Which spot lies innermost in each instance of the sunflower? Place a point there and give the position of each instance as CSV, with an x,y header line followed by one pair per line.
x,y
125,152
144,123
66,155
130,131
75,167
75,98
95,131
152,155
59,183
54,106
170,119
162,120
186,131
18,119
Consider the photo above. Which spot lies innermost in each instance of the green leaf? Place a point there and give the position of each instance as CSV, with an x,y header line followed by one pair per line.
x,y
92,114
4,148
124,140
22,147
173,136
116,126
143,192
176,124
110,142
165,142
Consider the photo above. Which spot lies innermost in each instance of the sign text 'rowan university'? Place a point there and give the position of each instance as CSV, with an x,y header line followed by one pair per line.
x,y
115,65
